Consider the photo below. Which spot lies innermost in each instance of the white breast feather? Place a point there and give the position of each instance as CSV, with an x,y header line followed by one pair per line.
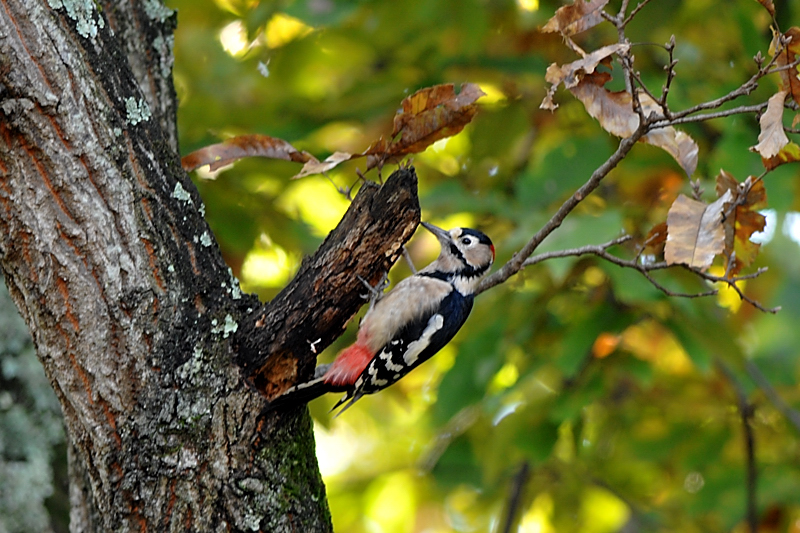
x,y
411,298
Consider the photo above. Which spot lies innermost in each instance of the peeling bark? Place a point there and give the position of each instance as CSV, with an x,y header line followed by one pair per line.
x,y
132,310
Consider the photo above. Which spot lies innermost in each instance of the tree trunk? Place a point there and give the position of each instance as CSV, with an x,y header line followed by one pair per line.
x,y
148,342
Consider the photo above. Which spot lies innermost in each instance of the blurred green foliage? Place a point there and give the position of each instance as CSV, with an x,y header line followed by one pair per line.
x,y
608,389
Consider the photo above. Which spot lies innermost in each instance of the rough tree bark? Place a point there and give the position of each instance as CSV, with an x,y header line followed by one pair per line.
x,y
143,332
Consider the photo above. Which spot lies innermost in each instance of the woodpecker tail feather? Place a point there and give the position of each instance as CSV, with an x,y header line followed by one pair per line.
x,y
301,394
352,396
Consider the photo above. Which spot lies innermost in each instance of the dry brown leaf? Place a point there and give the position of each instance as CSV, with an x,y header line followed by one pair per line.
x,y
575,18
314,166
656,239
788,154
428,115
231,150
695,233
614,111
572,73
772,138
790,81
743,218
768,5
678,144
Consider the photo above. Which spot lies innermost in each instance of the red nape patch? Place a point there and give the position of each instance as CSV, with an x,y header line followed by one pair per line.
x,y
349,365
492,247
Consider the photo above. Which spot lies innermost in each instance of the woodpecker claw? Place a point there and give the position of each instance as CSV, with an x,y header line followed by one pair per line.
x,y
375,293
407,257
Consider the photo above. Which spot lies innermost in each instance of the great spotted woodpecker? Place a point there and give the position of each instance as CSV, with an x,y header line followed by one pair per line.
x,y
408,325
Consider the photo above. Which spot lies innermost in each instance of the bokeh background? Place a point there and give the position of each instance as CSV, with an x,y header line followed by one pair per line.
x,y
577,391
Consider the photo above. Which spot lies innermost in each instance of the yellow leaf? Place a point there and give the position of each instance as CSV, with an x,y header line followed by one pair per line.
x,y
788,154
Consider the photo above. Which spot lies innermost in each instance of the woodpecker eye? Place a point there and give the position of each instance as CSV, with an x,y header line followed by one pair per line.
x,y
466,241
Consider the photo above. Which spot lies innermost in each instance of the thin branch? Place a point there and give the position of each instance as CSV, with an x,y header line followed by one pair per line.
x,y
743,90
732,282
670,68
633,13
515,496
516,263
601,250
746,411
454,428
792,415
663,122
598,249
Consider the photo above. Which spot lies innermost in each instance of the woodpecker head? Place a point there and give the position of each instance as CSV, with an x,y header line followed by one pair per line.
x,y
466,256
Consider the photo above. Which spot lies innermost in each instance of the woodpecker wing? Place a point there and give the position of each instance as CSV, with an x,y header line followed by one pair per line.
x,y
414,343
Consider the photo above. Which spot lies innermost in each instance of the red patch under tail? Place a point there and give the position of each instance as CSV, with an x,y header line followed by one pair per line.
x,y
349,364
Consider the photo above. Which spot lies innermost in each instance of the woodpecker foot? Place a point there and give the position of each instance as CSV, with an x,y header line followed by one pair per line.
x,y
407,257
375,293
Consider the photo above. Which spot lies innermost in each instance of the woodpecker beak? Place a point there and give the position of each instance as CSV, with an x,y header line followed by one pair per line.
x,y
442,235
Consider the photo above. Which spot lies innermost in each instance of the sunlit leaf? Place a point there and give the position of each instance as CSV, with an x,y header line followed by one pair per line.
x,y
743,221
772,138
605,344
427,115
788,154
576,18
614,111
695,231
231,150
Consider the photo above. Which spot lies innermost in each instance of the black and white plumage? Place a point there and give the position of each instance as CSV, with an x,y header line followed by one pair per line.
x,y
408,325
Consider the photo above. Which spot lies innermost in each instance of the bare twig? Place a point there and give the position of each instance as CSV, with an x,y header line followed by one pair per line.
x,y
662,122
633,12
744,89
732,282
598,249
670,68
